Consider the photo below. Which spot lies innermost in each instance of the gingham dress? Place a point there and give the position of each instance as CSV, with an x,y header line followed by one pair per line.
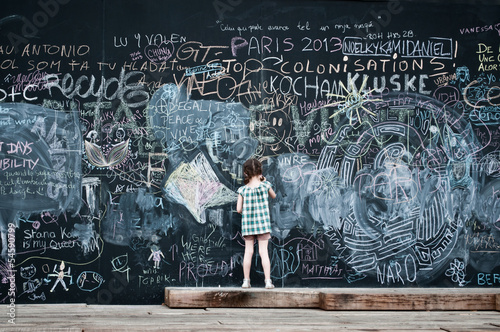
x,y
256,219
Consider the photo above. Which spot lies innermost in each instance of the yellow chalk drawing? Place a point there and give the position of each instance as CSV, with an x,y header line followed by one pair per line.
x,y
196,186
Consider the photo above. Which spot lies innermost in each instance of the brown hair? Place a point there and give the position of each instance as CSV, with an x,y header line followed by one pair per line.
x,y
251,168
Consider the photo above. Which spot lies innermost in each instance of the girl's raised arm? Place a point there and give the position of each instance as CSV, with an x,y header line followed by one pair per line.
x,y
272,193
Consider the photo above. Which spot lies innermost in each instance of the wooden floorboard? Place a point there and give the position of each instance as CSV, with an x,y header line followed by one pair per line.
x,y
81,317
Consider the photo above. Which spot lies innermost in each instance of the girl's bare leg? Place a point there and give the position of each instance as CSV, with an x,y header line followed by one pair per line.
x,y
247,259
264,256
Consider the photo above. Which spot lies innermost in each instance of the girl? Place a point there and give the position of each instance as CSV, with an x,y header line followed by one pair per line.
x,y
253,204
60,276
155,254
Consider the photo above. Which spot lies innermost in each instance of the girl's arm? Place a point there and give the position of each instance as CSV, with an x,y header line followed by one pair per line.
x,y
272,193
239,204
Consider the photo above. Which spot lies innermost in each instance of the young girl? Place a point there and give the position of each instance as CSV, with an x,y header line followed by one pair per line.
x,y
253,204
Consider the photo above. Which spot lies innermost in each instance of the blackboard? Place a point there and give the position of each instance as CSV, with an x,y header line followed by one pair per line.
x,y
124,126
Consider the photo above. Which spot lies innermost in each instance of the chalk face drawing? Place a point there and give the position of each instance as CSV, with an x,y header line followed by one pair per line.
x,y
121,149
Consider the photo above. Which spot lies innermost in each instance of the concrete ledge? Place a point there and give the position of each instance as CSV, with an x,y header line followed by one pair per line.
x,y
419,299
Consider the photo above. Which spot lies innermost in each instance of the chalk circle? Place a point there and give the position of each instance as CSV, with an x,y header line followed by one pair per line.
x,y
89,281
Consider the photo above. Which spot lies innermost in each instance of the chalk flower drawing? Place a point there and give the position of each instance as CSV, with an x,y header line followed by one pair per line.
x,y
456,272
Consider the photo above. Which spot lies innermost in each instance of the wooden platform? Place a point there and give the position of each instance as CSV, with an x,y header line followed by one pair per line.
x,y
88,318
336,299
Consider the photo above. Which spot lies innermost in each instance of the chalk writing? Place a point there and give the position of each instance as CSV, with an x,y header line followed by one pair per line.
x,y
378,126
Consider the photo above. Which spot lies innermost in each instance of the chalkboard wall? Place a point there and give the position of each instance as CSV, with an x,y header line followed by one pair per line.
x,y
124,126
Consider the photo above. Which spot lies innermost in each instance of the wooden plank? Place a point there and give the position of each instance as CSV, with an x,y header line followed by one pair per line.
x,y
498,302
429,299
335,299
162,318
240,298
475,329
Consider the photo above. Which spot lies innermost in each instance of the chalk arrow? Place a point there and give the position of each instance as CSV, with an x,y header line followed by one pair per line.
x,y
278,60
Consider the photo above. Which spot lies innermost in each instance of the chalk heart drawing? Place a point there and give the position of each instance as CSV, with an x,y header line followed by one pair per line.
x,y
159,53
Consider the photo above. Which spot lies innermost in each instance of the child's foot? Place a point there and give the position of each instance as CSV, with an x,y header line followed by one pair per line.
x,y
246,283
269,284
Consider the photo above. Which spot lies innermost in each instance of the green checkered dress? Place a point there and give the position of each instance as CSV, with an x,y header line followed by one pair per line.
x,y
256,219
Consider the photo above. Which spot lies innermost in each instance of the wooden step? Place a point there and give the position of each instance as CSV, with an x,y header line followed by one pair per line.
x,y
430,299
241,298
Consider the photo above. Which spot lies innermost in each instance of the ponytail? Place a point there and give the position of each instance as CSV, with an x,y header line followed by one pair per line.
x,y
251,167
